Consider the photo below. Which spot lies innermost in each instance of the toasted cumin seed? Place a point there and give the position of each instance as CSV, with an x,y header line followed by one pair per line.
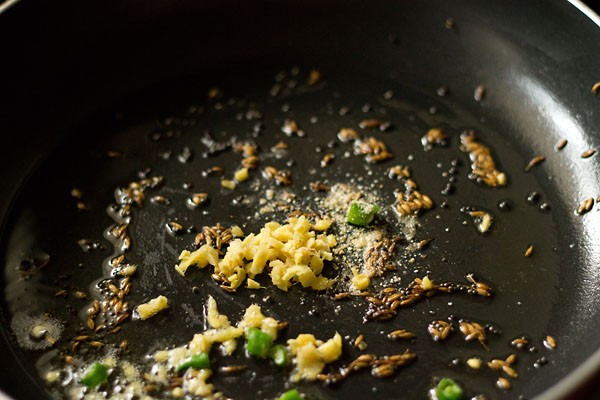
x,y
534,161
596,87
123,345
588,153
401,334
374,300
510,371
503,383
529,251
382,371
341,296
122,318
81,338
561,144
113,288
281,145
347,134
479,93
585,206
550,342
90,323
198,199
95,343
359,339
496,364
232,368
327,160
518,342
424,243
175,227
158,199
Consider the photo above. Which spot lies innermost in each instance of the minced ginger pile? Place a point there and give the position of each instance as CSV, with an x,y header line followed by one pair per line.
x,y
293,252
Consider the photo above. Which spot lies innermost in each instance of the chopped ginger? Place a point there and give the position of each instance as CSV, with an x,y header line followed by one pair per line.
x,y
228,184
152,307
360,281
293,252
311,355
241,175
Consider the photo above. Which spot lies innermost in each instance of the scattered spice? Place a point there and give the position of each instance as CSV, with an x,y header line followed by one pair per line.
x,y
198,200
588,153
504,365
503,383
585,206
483,220
474,363
596,87
479,93
561,144
374,123
318,187
472,331
346,135
315,76
384,305
327,160
360,343
434,136
550,342
533,162
374,150
381,367
401,334
412,202
483,167
214,236
290,127
281,177
529,251
439,330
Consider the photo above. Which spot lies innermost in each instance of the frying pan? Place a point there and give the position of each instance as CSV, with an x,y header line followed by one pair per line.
x,y
81,80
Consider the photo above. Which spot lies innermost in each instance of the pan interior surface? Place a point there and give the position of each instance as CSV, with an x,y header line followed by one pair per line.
x,y
526,108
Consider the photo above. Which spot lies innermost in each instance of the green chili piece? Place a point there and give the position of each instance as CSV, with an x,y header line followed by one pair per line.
x,y
258,343
361,213
290,395
197,361
96,374
279,354
447,389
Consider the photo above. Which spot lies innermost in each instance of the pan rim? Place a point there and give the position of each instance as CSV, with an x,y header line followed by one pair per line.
x,y
584,373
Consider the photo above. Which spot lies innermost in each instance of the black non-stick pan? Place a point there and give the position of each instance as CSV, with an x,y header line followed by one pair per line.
x,y
95,96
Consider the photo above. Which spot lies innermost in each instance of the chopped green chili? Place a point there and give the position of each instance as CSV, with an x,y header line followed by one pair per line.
x,y
447,389
197,361
290,395
95,375
258,343
279,354
361,213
